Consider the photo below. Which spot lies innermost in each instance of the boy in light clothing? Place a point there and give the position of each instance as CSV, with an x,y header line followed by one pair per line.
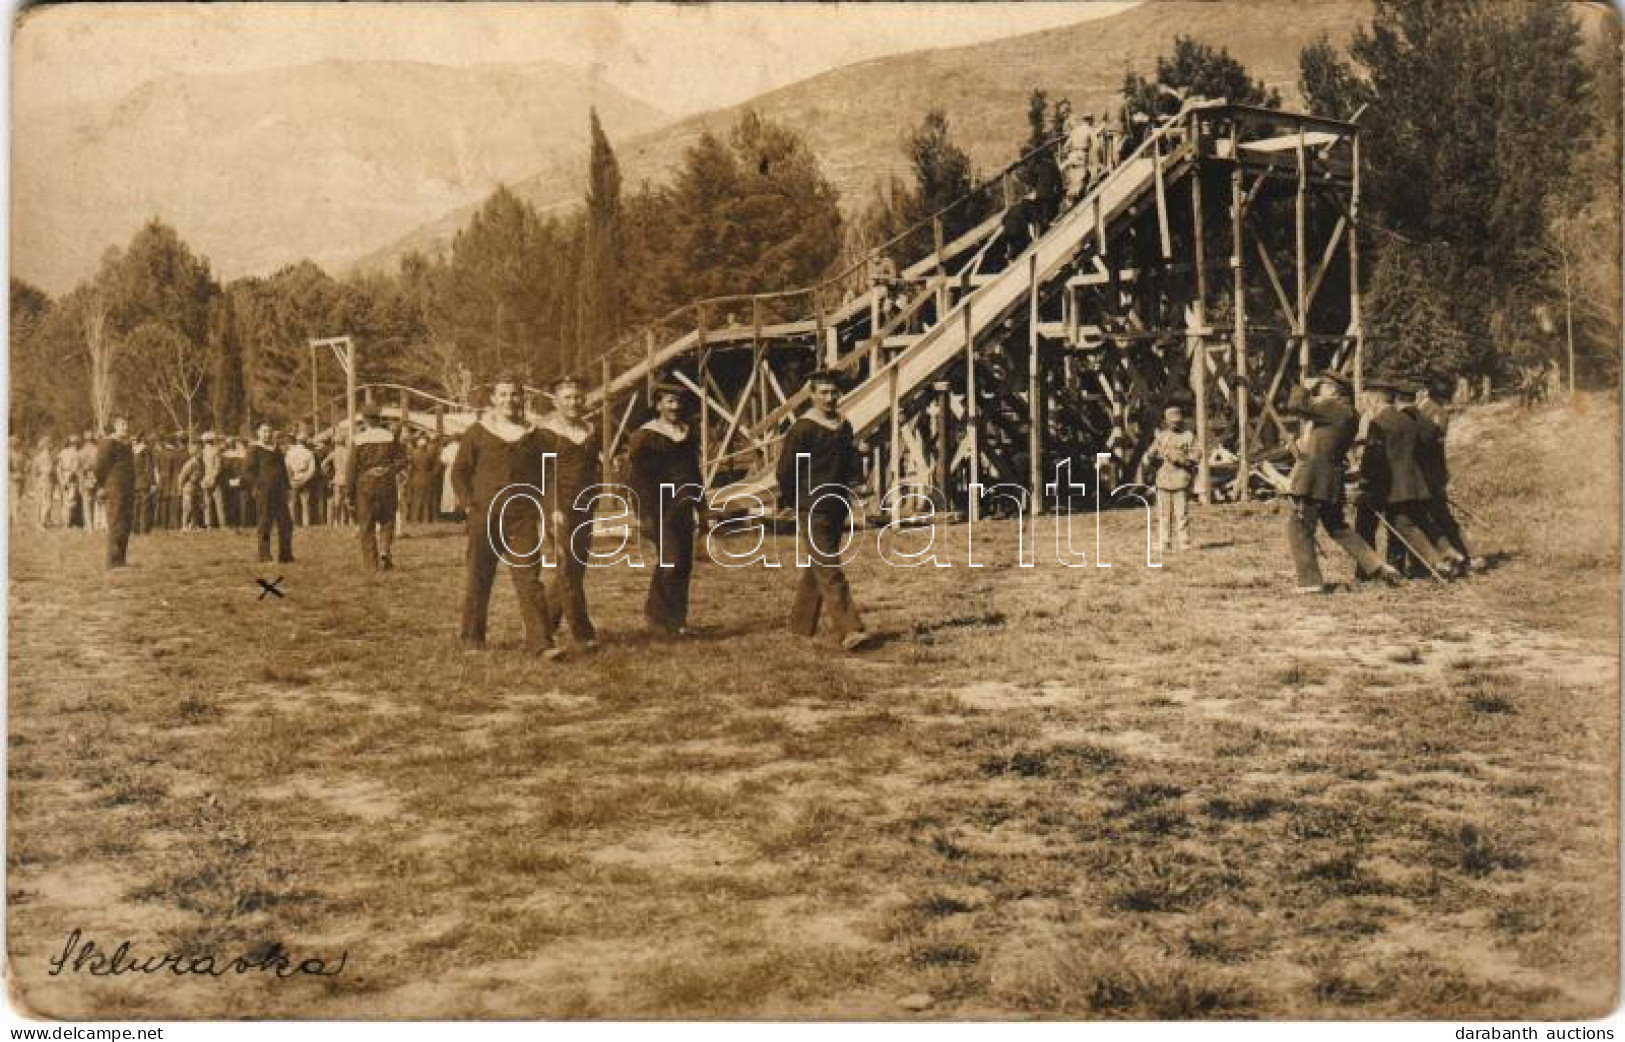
x,y
1174,451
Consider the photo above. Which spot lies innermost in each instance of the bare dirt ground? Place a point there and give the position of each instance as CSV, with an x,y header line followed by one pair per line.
x,y
1048,793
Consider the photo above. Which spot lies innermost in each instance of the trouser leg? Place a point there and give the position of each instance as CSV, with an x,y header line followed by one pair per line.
x,y
1182,519
119,521
282,517
1365,558
1365,526
1404,517
1449,529
1163,508
480,567
263,534
804,610
366,517
526,573
567,594
830,594
666,606
1301,521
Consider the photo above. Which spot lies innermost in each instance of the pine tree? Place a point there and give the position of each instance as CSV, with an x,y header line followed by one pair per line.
x,y
228,395
599,300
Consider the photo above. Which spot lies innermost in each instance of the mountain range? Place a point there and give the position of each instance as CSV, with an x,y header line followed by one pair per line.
x,y
352,164
855,117
259,169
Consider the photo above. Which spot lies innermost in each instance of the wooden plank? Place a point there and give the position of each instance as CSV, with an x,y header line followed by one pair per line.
x,y
1162,206
1275,283
1326,260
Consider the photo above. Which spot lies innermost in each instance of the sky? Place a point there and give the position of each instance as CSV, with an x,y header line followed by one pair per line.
x,y
651,50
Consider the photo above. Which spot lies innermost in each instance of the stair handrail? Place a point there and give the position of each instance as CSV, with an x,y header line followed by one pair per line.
x,y
632,340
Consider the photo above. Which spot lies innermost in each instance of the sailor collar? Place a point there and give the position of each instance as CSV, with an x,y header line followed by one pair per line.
x,y
555,423
659,426
821,420
505,430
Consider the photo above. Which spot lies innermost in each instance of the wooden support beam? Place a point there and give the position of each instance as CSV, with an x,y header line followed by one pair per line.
x,y
1199,340
1252,193
733,426
704,365
1326,260
894,460
648,366
1241,399
973,507
1275,283
1356,321
1268,410
626,418
1035,386
604,447
1301,254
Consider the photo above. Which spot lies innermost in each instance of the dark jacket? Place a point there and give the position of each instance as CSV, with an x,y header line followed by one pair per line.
x,y
833,459
1430,451
144,469
374,461
115,468
575,466
1389,473
266,471
654,459
1323,457
486,464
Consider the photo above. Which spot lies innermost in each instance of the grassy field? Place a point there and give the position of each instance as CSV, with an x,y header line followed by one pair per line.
x,y
1123,793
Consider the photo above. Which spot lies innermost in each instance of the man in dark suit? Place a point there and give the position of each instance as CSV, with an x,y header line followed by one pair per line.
x,y
1316,494
1434,420
1392,485
266,471
115,476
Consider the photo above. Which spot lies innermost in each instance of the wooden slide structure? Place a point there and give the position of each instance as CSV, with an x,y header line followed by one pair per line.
x,y
1191,271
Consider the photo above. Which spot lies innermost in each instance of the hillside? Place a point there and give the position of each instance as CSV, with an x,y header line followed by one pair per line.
x,y
855,116
259,169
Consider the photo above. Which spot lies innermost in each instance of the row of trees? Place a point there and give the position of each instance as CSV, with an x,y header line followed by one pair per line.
x,y
1491,174
156,335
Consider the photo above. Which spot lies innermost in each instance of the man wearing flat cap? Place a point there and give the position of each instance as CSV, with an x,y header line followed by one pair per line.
x,y
374,461
1316,493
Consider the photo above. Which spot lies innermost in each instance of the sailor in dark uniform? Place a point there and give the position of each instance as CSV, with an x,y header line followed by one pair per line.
x,y
1316,493
834,466
498,455
115,475
374,460
1391,482
664,452
266,469
575,467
